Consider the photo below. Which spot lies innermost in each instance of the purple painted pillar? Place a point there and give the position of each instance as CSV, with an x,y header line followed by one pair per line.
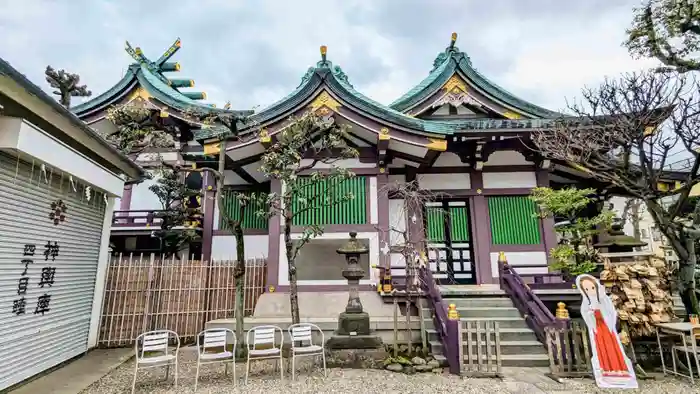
x,y
208,208
452,344
383,217
549,237
125,203
481,225
273,245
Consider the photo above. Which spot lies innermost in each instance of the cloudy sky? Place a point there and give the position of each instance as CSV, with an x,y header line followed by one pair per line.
x,y
254,52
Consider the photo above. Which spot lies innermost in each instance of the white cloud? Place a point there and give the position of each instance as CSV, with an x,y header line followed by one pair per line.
x,y
255,52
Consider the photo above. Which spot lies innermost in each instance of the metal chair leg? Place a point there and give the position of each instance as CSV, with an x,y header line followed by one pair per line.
x,y
281,366
247,369
196,377
133,383
176,372
323,355
293,368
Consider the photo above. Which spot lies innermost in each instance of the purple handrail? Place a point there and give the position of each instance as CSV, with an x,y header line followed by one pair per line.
x,y
536,314
440,321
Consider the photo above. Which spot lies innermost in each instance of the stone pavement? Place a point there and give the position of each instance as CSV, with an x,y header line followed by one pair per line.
x,y
76,376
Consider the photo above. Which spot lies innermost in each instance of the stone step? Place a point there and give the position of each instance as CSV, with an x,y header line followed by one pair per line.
x,y
511,360
507,347
503,322
479,302
507,334
483,312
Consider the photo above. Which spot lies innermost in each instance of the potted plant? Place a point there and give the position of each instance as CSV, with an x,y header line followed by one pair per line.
x,y
575,254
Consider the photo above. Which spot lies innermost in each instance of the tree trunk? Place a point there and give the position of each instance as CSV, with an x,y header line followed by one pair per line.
x,y
683,245
292,268
239,275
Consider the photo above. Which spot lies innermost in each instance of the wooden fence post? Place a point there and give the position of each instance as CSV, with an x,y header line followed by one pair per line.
x,y
452,342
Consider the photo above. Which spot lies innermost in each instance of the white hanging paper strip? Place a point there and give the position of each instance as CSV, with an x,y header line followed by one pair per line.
x,y
104,196
43,172
72,183
88,193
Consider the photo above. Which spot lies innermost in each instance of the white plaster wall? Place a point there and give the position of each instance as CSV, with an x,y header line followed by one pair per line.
x,y
397,221
224,247
522,258
373,201
509,179
397,179
448,159
444,181
344,163
373,256
506,158
143,198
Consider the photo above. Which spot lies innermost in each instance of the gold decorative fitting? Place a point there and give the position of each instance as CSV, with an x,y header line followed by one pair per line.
x,y
452,313
210,187
138,51
382,170
562,312
212,148
164,113
271,289
384,134
140,93
194,166
324,50
512,115
454,36
437,145
479,191
502,257
323,111
177,66
191,83
178,43
204,97
455,85
264,136
325,99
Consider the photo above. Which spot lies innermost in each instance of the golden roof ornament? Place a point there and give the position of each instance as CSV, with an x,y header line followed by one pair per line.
x,y
324,50
453,39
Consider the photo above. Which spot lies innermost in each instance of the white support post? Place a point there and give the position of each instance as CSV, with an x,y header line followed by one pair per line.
x,y
101,275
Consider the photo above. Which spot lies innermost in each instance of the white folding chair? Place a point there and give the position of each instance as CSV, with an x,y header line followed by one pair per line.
x,y
153,349
302,333
216,339
264,336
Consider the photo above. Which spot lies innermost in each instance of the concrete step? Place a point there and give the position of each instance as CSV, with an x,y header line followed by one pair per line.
x,y
511,360
503,322
479,302
507,347
507,334
483,312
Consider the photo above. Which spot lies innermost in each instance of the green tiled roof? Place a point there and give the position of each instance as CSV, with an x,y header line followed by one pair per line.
x,y
149,75
337,82
453,61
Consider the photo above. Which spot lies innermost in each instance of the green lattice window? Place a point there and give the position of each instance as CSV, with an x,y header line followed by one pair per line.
x,y
250,219
513,221
353,211
436,218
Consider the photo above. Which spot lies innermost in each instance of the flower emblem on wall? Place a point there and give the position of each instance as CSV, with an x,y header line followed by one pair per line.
x,y
58,212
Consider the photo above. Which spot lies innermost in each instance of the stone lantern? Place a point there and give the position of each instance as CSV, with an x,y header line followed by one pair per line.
x,y
618,242
353,324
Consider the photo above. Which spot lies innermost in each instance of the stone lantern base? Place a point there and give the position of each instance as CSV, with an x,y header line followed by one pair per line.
x,y
353,333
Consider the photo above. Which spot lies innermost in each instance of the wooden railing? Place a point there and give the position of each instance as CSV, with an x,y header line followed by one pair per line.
x,y
137,218
536,314
545,280
447,330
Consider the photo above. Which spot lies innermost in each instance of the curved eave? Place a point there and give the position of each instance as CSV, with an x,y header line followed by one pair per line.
x,y
457,63
174,99
111,96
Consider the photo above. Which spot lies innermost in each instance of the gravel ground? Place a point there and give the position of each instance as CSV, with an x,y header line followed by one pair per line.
x,y
263,379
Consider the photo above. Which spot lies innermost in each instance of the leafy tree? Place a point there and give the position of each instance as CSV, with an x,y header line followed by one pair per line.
x,y
66,85
624,134
230,123
179,222
576,254
138,129
668,30
325,142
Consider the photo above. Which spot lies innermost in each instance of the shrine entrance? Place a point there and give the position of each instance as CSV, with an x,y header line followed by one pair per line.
x,y
448,238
